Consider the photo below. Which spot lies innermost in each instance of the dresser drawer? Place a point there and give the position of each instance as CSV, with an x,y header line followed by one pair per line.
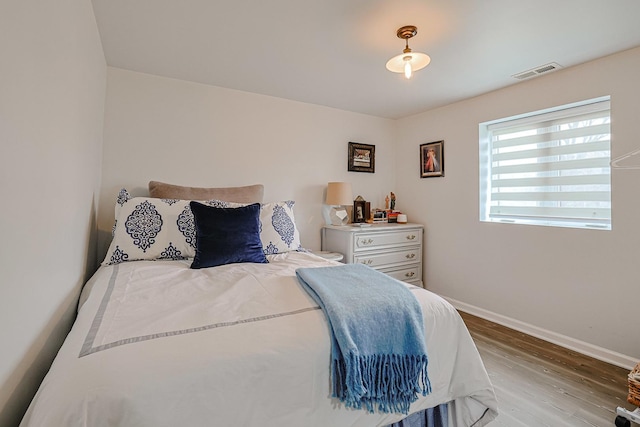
x,y
367,241
410,273
383,258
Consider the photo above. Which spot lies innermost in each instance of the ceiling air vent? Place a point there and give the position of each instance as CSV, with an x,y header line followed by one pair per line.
x,y
543,69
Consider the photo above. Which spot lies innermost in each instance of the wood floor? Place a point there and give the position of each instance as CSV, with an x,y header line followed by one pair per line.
x,y
541,384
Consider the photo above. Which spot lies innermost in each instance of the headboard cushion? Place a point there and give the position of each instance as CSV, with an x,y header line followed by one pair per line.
x,y
247,194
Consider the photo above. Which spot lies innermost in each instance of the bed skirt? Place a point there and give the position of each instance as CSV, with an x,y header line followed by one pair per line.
x,y
432,417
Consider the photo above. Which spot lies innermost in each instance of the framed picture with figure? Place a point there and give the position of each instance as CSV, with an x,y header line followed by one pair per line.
x,y
360,210
432,159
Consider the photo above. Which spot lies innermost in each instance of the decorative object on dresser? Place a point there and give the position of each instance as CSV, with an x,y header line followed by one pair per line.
x,y
394,249
362,157
391,214
338,195
361,210
432,159
379,215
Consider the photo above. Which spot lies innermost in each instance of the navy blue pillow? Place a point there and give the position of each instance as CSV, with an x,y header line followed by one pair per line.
x,y
227,235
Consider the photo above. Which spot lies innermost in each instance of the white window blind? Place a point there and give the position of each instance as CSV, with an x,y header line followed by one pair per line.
x,y
548,168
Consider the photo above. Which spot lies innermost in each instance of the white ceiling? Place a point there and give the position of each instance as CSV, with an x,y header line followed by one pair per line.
x,y
333,52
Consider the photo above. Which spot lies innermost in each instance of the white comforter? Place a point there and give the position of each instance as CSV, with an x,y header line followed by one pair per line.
x,y
158,344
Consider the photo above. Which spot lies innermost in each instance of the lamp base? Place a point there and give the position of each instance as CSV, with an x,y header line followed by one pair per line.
x,y
338,215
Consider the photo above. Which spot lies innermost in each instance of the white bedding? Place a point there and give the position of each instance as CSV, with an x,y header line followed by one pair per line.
x,y
159,344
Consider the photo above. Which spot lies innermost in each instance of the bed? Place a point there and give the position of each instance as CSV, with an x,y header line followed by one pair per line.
x,y
160,343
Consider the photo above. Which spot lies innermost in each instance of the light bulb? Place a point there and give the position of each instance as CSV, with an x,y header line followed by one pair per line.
x,y
407,66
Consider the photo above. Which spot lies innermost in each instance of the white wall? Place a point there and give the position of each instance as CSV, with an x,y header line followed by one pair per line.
x,y
582,284
52,90
192,134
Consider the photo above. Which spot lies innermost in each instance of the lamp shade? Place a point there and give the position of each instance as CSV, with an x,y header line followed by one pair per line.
x,y
408,61
339,193
417,61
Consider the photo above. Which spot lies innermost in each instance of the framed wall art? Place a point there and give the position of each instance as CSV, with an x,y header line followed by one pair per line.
x,y
362,157
432,159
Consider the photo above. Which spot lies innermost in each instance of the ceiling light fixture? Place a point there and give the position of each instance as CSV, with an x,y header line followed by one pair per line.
x,y
408,62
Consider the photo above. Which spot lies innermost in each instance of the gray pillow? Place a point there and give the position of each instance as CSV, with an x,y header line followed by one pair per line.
x,y
247,194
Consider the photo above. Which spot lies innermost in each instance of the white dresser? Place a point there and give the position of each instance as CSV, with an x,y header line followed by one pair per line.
x,y
394,249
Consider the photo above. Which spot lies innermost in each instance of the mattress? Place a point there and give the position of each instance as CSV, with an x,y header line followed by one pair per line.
x,y
156,343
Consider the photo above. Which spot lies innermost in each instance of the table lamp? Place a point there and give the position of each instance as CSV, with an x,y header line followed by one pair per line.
x,y
338,195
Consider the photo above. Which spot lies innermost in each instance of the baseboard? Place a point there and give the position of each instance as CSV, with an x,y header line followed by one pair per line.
x,y
585,348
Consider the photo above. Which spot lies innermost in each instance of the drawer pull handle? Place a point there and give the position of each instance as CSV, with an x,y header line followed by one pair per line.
x,y
411,237
411,256
367,261
366,241
410,274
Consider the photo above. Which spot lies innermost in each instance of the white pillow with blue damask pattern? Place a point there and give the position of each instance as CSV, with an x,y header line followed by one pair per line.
x,y
164,229
278,230
150,229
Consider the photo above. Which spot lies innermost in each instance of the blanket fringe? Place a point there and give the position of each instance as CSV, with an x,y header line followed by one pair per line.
x,y
392,382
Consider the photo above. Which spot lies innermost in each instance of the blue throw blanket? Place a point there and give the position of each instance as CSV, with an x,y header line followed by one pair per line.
x,y
378,350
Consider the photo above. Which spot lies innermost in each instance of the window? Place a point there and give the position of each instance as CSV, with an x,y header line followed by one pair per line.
x,y
549,167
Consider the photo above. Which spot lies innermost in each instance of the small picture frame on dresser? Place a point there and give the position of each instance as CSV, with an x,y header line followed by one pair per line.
x,y
360,211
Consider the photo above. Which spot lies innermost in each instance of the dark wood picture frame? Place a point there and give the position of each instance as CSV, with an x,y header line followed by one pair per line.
x,y
432,159
360,211
362,157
